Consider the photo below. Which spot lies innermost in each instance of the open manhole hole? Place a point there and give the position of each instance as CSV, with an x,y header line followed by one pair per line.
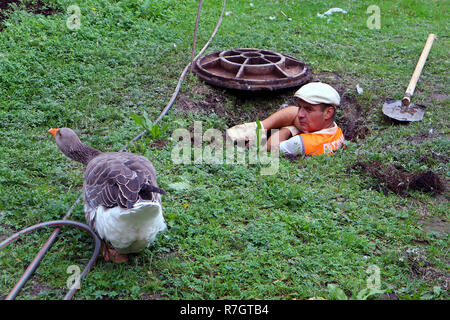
x,y
252,70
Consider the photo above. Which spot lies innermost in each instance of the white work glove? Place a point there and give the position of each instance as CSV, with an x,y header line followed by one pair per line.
x,y
245,131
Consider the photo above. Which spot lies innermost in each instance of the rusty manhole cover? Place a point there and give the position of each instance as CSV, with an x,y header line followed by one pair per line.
x,y
252,69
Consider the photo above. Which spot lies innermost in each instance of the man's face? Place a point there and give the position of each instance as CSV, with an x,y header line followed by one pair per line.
x,y
311,118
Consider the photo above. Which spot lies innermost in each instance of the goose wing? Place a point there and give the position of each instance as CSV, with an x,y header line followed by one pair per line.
x,y
120,179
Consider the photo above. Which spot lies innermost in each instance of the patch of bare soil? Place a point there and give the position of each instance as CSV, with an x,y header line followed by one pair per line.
x,y
234,106
292,157
439,225
155,296
159,144
36,7
353,123
423,270
6,231
399,180
39,286
441,97
425,136
211,102
431,158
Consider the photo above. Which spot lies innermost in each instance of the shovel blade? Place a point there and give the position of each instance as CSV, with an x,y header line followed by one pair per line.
x,y
396,110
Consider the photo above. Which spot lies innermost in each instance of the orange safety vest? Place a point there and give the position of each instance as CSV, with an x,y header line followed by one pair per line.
x,y
323,141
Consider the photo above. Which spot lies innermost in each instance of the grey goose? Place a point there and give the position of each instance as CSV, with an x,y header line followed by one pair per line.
x,y
122,200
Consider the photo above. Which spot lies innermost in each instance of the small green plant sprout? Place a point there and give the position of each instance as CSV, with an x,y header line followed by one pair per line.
x,y
152,129
258,136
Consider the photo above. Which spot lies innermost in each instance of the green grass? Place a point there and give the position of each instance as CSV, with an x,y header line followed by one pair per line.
x,y
233,233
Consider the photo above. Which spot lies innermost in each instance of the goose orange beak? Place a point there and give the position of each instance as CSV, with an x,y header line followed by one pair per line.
x,y
53,131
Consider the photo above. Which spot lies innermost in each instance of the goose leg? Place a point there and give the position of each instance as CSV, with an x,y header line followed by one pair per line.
x,y
110,254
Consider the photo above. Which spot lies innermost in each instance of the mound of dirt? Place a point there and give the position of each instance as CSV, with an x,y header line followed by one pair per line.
x,y
427,181
399,180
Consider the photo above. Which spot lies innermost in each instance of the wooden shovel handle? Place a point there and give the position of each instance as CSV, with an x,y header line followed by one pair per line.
x,y
415,77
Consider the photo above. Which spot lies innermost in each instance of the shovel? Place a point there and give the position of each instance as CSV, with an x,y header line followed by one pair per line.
x,y
404,110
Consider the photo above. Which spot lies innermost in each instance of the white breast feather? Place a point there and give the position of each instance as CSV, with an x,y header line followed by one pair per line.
x,y
130,230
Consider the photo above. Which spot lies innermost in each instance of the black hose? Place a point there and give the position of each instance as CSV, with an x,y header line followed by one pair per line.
x,y
37,259
36,262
